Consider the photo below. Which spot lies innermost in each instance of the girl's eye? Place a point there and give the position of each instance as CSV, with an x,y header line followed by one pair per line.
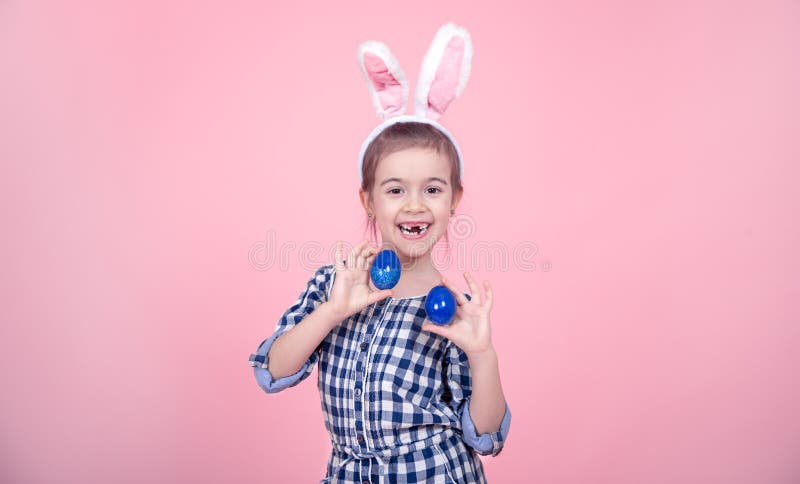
x,y
434,190
394,191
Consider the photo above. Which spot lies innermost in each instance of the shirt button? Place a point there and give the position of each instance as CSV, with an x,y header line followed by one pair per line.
x,y
365,481
363,346
358,392
360,438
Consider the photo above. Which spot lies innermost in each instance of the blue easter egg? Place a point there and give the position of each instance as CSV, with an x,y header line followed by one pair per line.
x,y
440,305
385,270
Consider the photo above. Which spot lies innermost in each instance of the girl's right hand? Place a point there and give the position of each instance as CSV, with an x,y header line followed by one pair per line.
x,y
351,291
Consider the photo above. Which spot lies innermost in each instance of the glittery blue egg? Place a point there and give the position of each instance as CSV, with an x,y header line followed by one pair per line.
x,y
440,305
385,270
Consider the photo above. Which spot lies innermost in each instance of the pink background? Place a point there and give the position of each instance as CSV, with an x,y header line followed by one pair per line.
x,y
648,151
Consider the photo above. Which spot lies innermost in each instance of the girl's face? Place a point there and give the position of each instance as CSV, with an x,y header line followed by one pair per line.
x,y
412,200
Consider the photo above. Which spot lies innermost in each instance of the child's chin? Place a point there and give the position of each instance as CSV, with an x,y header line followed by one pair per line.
x,y
417,249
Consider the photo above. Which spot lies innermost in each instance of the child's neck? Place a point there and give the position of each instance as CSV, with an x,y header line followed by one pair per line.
x,y
418,276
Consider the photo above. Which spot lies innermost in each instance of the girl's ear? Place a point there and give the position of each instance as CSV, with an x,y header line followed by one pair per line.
x,y
445,71
386,81
456,200
366,202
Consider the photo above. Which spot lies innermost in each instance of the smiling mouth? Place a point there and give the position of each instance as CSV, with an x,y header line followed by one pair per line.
x,y
413,229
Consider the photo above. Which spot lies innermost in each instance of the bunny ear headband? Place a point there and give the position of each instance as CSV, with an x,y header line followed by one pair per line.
x,y
444,73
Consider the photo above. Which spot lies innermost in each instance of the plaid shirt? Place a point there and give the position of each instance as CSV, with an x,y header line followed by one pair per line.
x,y
395,398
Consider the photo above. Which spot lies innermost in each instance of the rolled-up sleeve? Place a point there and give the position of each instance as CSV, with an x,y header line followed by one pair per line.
x,y
460,384
315,293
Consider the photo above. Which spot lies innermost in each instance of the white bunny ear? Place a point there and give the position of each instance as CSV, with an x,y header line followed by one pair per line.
x,y
386,81
445,71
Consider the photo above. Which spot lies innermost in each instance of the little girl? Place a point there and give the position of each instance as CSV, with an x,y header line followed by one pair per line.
x,y
404,400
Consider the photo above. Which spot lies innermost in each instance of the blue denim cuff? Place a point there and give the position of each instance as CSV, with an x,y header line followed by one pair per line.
x,y
260,361
488,443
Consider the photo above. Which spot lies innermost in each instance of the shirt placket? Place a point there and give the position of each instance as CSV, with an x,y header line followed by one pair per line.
x,y
361,396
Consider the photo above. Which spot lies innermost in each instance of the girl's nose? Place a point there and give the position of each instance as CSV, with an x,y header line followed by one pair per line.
x,y
414,204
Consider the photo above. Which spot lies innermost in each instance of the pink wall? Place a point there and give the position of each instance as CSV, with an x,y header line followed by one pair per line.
x,y
647,152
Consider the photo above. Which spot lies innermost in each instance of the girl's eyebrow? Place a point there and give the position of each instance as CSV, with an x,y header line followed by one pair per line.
x,y
394,179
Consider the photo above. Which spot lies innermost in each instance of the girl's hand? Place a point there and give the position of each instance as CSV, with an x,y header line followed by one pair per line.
x,y
470,328
351,291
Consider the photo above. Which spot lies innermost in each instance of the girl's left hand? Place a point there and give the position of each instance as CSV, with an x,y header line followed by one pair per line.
x,y
469,329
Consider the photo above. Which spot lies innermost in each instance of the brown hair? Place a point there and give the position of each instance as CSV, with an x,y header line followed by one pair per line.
x,y
400,136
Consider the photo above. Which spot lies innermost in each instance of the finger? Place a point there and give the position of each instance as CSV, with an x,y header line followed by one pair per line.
x,y
436,329
351,259
363,258
371,254
370,259
460,298
360,260
337,255
368,263
473,287
378,296
362,255
489,295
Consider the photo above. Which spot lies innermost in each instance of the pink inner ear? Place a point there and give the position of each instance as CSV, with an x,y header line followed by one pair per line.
x,y
387,87
443,88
